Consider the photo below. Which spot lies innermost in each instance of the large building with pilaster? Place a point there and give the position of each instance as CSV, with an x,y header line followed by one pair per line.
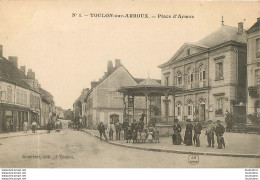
x,y
253,68
212,73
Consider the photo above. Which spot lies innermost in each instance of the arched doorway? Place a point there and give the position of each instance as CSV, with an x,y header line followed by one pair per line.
x,y
257,106
114,118
202,109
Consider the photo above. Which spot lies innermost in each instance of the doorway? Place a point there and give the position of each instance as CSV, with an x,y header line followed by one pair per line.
x,y
202,112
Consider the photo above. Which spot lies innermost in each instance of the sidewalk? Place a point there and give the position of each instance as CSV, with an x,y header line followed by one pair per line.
x,y
16,134
237,145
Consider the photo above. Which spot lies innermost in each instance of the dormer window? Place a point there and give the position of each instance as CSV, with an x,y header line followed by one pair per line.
x,y
188,52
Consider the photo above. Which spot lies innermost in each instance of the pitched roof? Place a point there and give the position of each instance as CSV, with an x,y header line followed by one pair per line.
x,y
222,35
11,74
255,27
59,108
149,82
138,80
82,96
46,96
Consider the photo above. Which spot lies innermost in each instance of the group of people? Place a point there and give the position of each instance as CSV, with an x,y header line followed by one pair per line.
x,y
191,138
135,132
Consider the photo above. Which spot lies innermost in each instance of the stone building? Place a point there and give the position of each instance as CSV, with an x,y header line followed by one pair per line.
x,y
103,103
253,68
20,96
212,73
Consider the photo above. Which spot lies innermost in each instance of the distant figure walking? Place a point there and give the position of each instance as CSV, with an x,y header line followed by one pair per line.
x,y
34,126
188,133
102,129
219,133
49,126
25,126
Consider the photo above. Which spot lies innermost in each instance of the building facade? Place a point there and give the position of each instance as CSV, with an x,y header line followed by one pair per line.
x,y
212,73
20,98
253,68
103,103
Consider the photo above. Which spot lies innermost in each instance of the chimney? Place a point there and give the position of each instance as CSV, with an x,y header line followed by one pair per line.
x,y
14,60
117,63
31,74
240,27
1,51
23,69
94,84
109,66
258,20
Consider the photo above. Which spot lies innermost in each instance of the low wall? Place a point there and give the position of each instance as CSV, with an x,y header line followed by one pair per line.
x,y
164,130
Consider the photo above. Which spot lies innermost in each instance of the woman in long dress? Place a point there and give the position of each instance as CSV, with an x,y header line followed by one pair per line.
x,y
188,133
25,126
176,137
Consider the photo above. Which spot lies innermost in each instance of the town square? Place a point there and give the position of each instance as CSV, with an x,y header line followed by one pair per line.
x,y
159,92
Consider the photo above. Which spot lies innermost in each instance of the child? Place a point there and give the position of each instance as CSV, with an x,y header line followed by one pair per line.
x,y
150,136
139,136
134,136
143,136
128,135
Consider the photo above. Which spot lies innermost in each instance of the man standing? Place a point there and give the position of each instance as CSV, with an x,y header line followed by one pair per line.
x,y
49,126
197,132
34,126
118,130
210,134
111,129
219,133
101,129
125,127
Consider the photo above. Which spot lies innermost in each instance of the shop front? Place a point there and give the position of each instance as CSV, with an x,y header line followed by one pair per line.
x,y
12,118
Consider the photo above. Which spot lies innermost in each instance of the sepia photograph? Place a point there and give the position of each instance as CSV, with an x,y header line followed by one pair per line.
x,y
129,84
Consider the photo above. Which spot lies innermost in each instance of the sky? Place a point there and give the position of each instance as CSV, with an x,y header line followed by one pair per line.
x,y
67,53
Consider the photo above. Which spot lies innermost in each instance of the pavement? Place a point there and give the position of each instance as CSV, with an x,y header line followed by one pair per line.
x,y
237,145
17,134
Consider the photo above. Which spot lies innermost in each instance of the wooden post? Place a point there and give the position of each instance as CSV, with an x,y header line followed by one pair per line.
x,y
146,108
124,106
133,108
167,107
128,109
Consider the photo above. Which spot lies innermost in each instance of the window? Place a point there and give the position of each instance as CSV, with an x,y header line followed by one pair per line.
x,y
179,78
190,107
190,78
258,48
188,52
219,105
166,81
9,93
202,73
219,71
179,111
257,77
189,110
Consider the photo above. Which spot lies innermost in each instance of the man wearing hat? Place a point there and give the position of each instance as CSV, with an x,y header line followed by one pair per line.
x,y
188,133
176,137
219,133
197,132
210,134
